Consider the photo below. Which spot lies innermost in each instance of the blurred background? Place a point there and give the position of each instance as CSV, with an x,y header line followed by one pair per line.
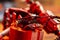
x,y
53,5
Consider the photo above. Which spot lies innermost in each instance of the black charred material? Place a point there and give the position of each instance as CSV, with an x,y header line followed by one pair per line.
x,y
55,17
